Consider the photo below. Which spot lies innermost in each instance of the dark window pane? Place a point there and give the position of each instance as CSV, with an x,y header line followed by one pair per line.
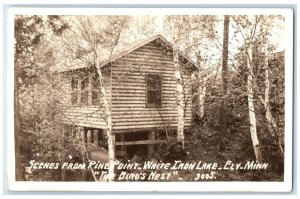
x,y
158,98
74,83
150,97
153,82
154,97
84,83
84,98
95,98
74,98
158,82
74,94
95,82
150,82
153,86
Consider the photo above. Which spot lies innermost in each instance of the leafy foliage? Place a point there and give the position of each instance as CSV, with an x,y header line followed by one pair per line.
x,y
41,136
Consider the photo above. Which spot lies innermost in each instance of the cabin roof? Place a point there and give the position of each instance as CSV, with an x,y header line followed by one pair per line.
x,y
119,51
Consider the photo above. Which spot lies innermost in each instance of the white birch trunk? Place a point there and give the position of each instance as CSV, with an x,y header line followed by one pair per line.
x,y
202,94
180,99
107,112
252,117
272,126
271,122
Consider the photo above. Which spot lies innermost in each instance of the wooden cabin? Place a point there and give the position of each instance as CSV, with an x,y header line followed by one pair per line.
x,y
141,89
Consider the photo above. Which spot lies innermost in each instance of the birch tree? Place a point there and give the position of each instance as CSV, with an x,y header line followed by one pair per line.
x,y
175,27
267,22
180,97
251,108
92,40
199,44
258,33
246,26
271,123
88,32
186,34
202,92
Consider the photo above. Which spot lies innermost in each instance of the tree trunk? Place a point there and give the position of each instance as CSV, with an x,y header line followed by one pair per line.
x,y
202,93
180,99
63,155
224,114
151,136
272,126
271,123
110,137
17,125
252,117
225,53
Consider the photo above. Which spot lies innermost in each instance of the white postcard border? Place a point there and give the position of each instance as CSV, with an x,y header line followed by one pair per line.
x,y
284,186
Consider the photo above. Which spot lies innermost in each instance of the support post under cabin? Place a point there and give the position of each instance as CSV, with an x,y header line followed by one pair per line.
x,y
92,136
151,136
85,131
98,136
113,138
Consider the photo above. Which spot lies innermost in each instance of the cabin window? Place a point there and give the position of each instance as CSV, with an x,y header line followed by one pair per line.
x,y
153,90
74,91
85,91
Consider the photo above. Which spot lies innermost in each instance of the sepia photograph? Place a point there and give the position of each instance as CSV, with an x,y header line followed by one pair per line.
x,y
150,98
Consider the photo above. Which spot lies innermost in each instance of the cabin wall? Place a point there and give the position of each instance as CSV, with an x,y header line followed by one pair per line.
x,y
129,109
83,115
